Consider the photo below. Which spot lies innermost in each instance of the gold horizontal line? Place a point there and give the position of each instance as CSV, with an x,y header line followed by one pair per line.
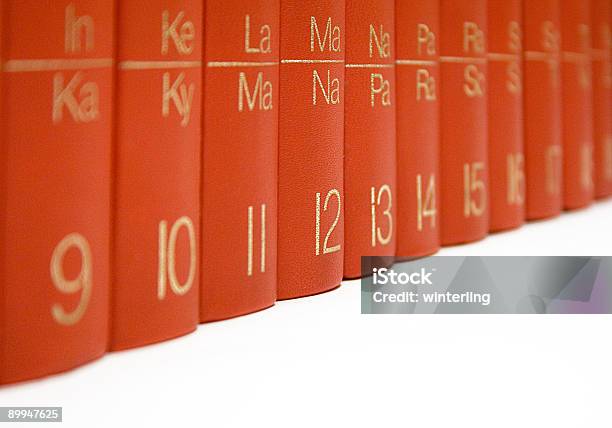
x,y
312,61
541,56
463,59
158,65
574,56
370,65
31,65
415,62
228,64
498,56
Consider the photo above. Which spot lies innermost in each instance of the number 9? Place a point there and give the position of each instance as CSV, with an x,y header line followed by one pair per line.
x,y
83,282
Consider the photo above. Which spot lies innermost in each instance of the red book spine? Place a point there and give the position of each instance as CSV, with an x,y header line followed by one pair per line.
x,y
506,157
577,102
601,13
418,109
55,189
157,172
463,152
542,108
310,189
239,184
369,133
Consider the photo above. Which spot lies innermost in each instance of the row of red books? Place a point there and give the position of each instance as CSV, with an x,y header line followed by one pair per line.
x,y
190,161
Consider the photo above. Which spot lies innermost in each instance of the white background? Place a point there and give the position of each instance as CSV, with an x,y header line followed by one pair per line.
x,y
318,362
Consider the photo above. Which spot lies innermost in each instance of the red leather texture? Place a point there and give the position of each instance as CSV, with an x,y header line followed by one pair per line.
x,y
418,112
601,15
369,133
577,104
506,156
55,184
240,158
310,189
157,171
542,108
463,152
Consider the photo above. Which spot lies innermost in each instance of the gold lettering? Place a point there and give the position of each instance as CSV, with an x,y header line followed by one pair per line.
x,y
551,42
382,87
75,27
333,193
180,94
84,108
425,85
473,38
331,38
180,34
514,82
551,38
264,45
586,167
426,206
375,201
261,97
426,40
516,179
474,183
332,94
83,282
262,237
167,257
553,170
515,43
383,45
474,79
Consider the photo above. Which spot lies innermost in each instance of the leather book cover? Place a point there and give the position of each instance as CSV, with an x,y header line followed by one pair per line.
x,y
369,134
417,26
311,140
157,172
577,104
239,186
463,119
542,108
506,156
55,130
601,32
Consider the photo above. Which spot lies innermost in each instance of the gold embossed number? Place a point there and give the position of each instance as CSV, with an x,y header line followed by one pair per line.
x,y
586,167
262,238
83,282
333,193
167,257
553,170
474,190
516,179
375,201
426,202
